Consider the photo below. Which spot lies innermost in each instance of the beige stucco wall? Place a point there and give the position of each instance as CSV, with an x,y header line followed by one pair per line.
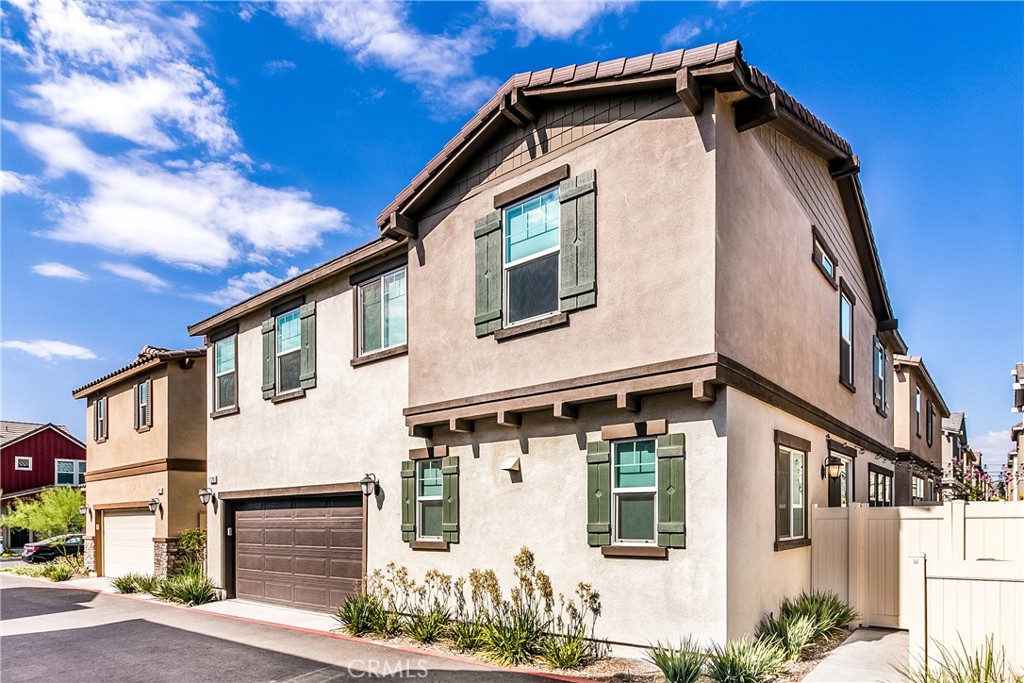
x,y
351,423
187,412
124,445
134,489
759,577
655,267
905,436
776,313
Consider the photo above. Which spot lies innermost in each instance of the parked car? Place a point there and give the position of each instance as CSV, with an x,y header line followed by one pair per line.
x,y
52,548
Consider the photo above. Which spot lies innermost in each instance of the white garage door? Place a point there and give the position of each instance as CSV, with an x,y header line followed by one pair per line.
x,y
128,542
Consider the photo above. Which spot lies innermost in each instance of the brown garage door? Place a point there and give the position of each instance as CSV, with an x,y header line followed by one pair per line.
x,y
302,552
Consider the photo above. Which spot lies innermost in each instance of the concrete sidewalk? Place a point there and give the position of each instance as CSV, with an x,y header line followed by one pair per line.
x,y
869,655
271,614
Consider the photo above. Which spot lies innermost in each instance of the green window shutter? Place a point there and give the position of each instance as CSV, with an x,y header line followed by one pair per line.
x,y
96,420
408,500
450,499
269,358
106,417
488,273
599,493
307,353
672,491
577,243
149,402
135,405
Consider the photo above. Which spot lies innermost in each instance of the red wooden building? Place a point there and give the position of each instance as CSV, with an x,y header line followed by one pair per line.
x,y
34,457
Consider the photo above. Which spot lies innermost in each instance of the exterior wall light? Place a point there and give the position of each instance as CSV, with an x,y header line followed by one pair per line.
x,y
153,504
833,466
83,509
205,495
368,484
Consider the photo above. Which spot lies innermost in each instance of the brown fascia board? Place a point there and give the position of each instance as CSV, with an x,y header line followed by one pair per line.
x,y
918,364
136,367
360,256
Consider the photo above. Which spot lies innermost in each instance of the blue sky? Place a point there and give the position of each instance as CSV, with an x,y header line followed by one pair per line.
x,y
163,160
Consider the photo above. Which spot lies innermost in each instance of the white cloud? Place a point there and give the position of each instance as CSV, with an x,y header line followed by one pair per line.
x,y
553,19
682,34
59,270
17,183
276,66
993,446
243,286
381,34
48,349
130,272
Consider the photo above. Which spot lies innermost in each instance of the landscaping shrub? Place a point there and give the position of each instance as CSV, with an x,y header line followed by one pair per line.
x,y
192,544
59,570
682,664
429,627
34,570
829,612
148,583
466,635
984,665
359,613
129,583
566,650
513,637
187,589
745,661
793,632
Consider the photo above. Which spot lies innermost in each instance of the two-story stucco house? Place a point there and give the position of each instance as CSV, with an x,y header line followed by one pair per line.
x,y
917,437
146,460
631,316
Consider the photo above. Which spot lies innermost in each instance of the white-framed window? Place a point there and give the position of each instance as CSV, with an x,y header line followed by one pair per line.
x,y
100,429
917,410
845,337
634,492
429,493
918,487
879,487
23,462
383,312
823,260
69,472
224,374
530,258
288,348
929,423
143,404
881,366
790,494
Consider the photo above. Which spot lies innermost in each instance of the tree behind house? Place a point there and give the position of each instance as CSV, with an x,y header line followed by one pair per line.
x,y
52,513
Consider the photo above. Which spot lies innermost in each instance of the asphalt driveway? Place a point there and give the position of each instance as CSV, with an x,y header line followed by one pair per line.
x,y
50,633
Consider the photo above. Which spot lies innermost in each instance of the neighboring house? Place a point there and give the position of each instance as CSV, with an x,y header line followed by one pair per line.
x,y
1015,465
34,457
146,459
631,316
954,455
919,412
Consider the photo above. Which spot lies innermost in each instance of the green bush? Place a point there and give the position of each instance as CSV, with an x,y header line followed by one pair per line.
x,y
984,665
746,661
793,632
59,570
35,570
466,635
189,568
187,589
829,612
682,664
567,650
129,583
148,583
429,627
514,636
359,614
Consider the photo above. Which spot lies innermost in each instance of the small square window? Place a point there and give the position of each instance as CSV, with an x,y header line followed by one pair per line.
x,y
23,463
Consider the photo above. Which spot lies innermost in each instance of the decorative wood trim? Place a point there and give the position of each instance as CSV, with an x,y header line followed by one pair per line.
x,y
625,400
222,332
398,226
144,428
532,186
632,430
460,425
792,543
878,469
147,467
565,411
288,305
792,441
375,271
842,449
688,91
755,111
428,453
654,552
509,418
287,491
377,356
436,546
290,396
844,166
133,505
224,412
560,320
703,391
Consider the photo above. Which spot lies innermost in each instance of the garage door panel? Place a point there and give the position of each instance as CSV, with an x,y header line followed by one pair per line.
x,y
310,550
128,542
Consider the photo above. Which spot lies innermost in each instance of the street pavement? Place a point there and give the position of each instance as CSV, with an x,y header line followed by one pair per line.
x,y
64,635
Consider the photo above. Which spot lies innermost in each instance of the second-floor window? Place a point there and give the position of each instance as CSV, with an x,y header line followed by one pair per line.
x,y
99,430
224,373
144,405
382,312
846,337
929,423
881,366
531,232
289,345
917,411
70,472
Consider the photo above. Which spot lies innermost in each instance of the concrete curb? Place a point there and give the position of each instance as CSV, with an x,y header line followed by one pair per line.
x,y
330,634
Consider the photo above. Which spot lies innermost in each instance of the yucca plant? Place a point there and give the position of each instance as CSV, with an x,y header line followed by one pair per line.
x,y
987,664
793,632
829,612
148,583
682,664
187,589
359,613
129,583
746,661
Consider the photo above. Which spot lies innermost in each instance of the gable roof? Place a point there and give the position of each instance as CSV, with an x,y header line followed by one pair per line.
x,y
148,357
918,364
718,66
12,432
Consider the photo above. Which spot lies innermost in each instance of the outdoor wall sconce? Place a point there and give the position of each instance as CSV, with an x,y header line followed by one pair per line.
x,y
832,466
368,484
153,504
205,496
83,509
